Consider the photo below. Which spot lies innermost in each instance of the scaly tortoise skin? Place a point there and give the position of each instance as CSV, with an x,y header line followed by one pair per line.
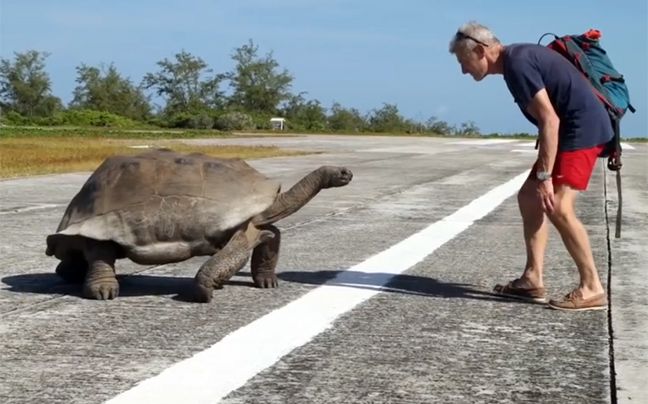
x,y
162,207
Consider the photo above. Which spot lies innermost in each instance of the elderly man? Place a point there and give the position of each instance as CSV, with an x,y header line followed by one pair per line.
x,y
573,130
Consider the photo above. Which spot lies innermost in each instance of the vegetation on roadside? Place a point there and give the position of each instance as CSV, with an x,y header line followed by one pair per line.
x,y
21,156
8,132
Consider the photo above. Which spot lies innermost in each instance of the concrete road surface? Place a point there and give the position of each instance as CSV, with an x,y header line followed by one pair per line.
x,y
384,293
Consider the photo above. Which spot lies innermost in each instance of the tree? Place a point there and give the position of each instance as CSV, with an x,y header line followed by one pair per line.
x,y
258,87
309,115
105,90
25,86
440,127
187,85
468,129
387,119
342,119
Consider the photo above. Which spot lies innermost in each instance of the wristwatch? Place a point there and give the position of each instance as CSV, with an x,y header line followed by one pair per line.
x,y
543,175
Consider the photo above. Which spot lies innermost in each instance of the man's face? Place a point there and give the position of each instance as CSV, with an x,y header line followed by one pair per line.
x,y
474,63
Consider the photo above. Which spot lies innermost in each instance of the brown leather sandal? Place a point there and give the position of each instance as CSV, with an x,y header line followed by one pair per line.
x,y
574,301
536,295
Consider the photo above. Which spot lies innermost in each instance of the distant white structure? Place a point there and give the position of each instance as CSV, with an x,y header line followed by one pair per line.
x,y
278,123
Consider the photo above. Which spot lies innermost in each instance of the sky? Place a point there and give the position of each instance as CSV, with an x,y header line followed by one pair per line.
x,y
359,53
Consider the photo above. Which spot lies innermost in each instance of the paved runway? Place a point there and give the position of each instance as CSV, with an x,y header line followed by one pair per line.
x,y
384,293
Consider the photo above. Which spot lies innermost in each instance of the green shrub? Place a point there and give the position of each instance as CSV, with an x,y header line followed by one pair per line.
x,y
261,121
72,117
13,118
57,119
200,121
234,121
187,120
87,117
157,121
179,120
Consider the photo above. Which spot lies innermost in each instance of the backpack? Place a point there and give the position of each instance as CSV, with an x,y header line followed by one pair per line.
x,y
585,52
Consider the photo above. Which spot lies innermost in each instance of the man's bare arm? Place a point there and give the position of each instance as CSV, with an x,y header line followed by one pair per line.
x,y
541,109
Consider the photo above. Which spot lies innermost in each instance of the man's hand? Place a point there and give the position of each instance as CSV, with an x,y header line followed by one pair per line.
x,y
546,195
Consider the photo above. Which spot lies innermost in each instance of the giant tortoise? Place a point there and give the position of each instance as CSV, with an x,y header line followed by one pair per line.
x,y
162,207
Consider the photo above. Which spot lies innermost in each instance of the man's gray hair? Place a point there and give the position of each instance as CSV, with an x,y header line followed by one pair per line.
x,y
469,35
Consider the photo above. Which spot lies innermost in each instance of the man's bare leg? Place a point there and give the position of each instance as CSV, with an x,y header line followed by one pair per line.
x,y
576,241
536,234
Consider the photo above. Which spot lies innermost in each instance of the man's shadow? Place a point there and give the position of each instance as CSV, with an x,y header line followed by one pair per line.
x,y
390,283
181,287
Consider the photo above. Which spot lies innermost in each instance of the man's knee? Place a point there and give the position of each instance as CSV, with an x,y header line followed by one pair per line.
x,y
560,216
563,213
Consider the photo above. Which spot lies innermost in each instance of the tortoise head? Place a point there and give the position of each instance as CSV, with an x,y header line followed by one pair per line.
x,y
336,176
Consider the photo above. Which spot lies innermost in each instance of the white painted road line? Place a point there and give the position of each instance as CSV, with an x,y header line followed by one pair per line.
x,y
484,142
624,146
212,374
29,208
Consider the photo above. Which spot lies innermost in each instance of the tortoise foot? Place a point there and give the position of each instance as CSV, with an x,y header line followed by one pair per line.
x,y
265,281
101,290
202,294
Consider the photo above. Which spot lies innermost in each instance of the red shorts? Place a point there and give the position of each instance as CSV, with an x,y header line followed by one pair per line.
x,y
574,168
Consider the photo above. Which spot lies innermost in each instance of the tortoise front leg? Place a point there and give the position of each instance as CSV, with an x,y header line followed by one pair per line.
x,y
264,260
100,281
226,262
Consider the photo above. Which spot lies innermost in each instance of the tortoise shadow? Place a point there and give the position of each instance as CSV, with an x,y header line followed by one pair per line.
x,y
42,283
129,285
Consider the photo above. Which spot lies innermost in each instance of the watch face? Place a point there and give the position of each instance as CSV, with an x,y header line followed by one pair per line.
x,y
543,175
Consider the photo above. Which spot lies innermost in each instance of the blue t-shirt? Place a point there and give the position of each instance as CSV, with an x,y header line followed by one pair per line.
x,y
584,121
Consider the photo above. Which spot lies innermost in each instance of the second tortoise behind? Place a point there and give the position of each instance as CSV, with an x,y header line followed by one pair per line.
x,y
162,207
